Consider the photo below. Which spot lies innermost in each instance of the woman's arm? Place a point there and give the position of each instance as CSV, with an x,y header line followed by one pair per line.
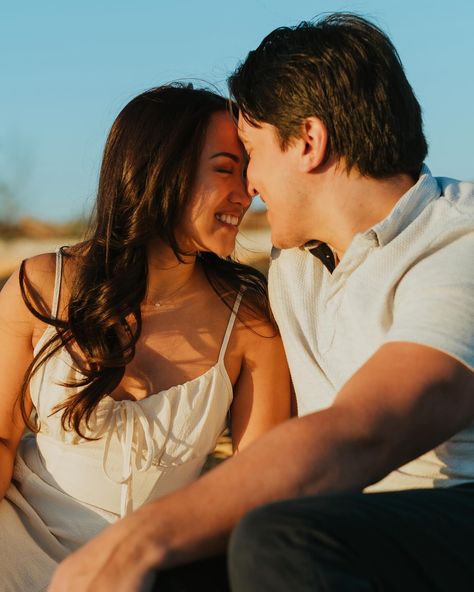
x,y
17,326
262,393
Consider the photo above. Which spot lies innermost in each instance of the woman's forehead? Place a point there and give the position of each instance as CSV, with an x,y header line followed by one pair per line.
x,y
221,136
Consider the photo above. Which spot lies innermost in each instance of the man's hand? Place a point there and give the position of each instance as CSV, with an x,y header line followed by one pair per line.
x,y
81,572
114,560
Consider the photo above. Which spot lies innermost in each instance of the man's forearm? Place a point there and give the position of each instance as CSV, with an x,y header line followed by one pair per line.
x,y
195,522
342,448
406,400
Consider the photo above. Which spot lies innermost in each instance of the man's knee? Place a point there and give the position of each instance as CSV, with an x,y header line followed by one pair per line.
x,y
253,536
274,531
289,545
253,550
268,547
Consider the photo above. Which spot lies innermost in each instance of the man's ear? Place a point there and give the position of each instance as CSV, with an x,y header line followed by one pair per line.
x,y
314,138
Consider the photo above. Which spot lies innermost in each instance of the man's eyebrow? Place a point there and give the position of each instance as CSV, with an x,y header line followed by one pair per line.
x,y
230,155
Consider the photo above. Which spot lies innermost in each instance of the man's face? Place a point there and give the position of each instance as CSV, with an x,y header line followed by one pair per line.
x,y
274,175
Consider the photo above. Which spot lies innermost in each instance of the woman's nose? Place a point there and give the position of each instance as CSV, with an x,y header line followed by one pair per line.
x,y
241,195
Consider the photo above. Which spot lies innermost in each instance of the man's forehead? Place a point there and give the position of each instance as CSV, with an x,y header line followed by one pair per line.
x,y
246,130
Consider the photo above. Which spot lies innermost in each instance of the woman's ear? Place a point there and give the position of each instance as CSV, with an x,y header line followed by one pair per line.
x,y
314,138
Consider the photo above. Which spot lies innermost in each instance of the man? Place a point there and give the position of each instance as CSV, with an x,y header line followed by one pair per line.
x,y
372,286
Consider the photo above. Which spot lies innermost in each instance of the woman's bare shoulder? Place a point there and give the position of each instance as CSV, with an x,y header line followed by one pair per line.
x,y
35,279
254,320
39,274
257,338
36,275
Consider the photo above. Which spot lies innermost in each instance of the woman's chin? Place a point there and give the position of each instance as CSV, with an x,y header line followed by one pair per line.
x,y
222,250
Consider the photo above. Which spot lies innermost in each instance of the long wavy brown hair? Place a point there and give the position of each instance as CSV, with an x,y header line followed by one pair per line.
x,y
146,179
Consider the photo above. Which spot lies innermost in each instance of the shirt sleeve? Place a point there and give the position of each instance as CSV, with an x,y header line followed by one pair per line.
x,y
434,301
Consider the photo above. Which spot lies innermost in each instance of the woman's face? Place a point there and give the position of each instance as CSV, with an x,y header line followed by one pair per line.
x,y
219,197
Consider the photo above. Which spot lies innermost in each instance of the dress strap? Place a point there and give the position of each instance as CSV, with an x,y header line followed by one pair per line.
x,y
230,325
57,283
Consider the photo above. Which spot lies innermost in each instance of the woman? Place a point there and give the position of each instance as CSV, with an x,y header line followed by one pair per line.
x,y
130,348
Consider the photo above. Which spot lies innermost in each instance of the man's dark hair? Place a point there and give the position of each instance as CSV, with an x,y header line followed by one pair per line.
x,y
345,71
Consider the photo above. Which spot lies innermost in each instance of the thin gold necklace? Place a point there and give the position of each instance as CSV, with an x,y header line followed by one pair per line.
x,y
164,301
161,302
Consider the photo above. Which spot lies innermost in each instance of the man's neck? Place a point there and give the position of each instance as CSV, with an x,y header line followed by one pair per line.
x,y
351,204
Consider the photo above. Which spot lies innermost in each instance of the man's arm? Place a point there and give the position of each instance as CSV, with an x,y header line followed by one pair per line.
x,y
403,402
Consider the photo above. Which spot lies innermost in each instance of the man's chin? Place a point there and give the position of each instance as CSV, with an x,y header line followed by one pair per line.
x,y
282,243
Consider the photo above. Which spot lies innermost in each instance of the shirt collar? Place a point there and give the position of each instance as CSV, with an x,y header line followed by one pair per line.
x,y
409,206
323,252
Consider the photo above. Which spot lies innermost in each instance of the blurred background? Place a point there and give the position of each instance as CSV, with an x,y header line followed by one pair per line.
x,y
67,68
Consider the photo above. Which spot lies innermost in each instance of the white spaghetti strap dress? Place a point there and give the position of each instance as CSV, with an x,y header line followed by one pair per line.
x,y
66,489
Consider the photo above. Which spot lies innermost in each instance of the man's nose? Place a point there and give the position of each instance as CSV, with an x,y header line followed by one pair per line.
x,y
251,190
248,180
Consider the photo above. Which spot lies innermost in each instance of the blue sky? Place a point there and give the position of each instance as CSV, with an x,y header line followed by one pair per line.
x,y
67,68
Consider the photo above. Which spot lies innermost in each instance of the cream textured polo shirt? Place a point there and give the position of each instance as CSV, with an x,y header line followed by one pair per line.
x,y
409,278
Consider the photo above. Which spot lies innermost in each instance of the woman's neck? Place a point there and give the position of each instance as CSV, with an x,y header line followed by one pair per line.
x,y
167,276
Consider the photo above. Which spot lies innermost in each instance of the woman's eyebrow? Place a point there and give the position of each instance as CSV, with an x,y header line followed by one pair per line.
x,y
230,155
